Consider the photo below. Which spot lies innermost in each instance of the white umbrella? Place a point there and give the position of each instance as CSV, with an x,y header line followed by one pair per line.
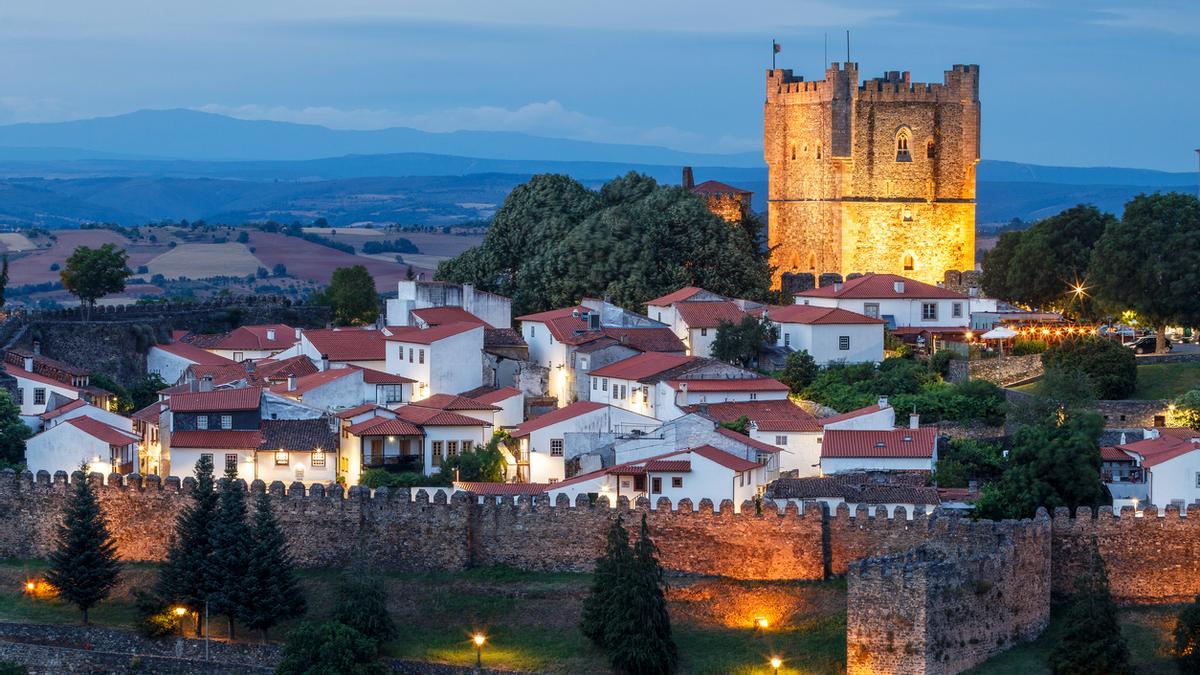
x,y
999,333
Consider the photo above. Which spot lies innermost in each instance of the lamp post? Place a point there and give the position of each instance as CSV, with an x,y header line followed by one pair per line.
x,y
180,612
479,639
776,662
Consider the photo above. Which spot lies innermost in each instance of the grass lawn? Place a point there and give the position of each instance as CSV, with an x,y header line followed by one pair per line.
x,y
531,619
1167,380
1147,631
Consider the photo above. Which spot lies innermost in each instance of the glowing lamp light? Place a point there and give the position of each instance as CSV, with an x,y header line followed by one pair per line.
x,y
479,639
776,662
30,586
180,611
761,622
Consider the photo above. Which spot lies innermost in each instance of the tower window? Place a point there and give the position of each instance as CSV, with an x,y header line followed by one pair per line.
x,y
793,151
818,151
903,137
906,215
929,149
909,263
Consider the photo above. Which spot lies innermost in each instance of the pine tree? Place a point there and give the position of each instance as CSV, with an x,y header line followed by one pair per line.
x,y
639,633
616,560
183,578
272,592
1187,639
229,560
1092,643
84,567
362,604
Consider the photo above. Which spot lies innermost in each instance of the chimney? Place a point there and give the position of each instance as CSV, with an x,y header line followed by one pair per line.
x,y
299,332
206,383
324,362
29,364
37,347
689,182
193,385
914,421
291,381
837,287
883,403
898,286
270,333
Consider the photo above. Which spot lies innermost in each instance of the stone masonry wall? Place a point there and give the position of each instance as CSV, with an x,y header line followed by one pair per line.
x,y
1006,370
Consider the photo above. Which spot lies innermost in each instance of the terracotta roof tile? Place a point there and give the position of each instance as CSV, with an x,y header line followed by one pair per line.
x,y
712,187
813,315
452,402
384,426
372,376
349,344
709,314
729,384
493,396
781,415
51,414
219,439
746,440
913,443
828,487
673,297
502,489
435,316
104,432
1171,443
315,380
731,462
298,435
873,286
18,371
432,417
567,412
851,414
1111,454
358,410
150,413
262,337
217,400
643,366
195,354
426,336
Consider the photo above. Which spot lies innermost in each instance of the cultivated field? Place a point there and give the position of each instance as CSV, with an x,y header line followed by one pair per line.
x,y
196,261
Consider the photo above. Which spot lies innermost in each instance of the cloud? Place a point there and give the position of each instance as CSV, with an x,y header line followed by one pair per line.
x,y
540,118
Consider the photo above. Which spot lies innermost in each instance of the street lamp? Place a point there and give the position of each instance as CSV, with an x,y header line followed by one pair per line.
x,y
761,623
479,639
180,612
776,662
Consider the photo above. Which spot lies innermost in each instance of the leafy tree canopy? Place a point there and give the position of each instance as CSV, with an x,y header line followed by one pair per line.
x,y
554,241
92,273
13,432
799,370
484,463
1187,410
328,647
740,343
352,295
1110,366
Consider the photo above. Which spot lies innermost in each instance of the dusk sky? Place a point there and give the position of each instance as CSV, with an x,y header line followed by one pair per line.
x,y
1064,83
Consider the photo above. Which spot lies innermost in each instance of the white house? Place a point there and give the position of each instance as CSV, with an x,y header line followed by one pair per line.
x,y
662,309
444,359
828,334
171,360
693,430
412,296
253,342
471,407
541,449
81,408
698,323
702,472
35,390
340,388
908,307
64,447
411,438
1169,459
509,402
340,347
905,449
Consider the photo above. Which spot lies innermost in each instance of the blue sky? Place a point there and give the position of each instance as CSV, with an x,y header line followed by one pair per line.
x,y
1065,83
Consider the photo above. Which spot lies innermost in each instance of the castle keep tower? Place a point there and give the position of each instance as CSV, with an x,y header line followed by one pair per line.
x,y
877,176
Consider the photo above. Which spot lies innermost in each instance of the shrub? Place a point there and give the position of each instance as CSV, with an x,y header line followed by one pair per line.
x,y
1187,638
799,371
940,362
328,647
1026,347
362,604
1111,367
154,616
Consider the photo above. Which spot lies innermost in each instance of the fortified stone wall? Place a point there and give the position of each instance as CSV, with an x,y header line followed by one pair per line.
x,y
973,591
1005,370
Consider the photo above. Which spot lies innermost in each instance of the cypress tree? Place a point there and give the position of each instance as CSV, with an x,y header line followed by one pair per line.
x,y
272,592
183,578
639,634
229,560
362,604
84,567
1092,643
615,561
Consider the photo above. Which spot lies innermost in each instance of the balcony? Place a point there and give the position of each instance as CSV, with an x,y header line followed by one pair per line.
x,y
394,463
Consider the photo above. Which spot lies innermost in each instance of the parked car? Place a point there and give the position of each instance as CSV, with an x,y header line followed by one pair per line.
x,y
1146,344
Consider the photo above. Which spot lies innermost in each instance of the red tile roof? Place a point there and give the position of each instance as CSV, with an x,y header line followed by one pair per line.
x,y
104,432
642,366
435,316
51,414
781,415
502,489
428,336
851,414
731,462
709,314
358,410
452,402
384,426
18,371
813,315
712,187
639,466
372,376
223,439
915,443
566,324
872,286
729,384
432,417
217,400
1171,443
646,339
1111,454
257,338
349,344
570,411
150,413
195,354
668,466
746,440
309,382
673,297
494,397
552,314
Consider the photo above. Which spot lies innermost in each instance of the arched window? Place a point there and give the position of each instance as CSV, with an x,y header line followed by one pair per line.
x,y
929,149
903,138
818,151
812,263
909,263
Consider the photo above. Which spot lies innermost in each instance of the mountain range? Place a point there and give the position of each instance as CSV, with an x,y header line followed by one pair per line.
x,y
170,164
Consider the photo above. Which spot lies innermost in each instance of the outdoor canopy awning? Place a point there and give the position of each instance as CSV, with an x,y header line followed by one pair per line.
x,y
999,333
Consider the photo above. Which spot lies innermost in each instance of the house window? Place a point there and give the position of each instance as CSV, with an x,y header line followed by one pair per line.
x,y
909,263
573,361
703,332
677,482
556,447
201,421
781,440
420,356
410,355
656,485
1198,479
787,339
239,357
467,445
451,449
660,317
753,396
226,421
437,453
345,462
583,364
639,483
389,393
532,330
741,480
20,396
844,343
595,383
604,384
956,310
39,396
903,137
871,309
623,390
929,311
318,459
281,458
818,151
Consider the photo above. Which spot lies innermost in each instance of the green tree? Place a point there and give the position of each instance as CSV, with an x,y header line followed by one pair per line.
x,y
639,637
966,460
352,295
1092,643
799,370
229,560
1185,411
1067,239
484,464
1111,367
1147,261
92,273
1059,389
1051,464
740,342
13,432
362,604
328,648
185,578
123,404
3,280
740,425
83,567
554,241
1187,639
610,572
271,591
997,263
145,391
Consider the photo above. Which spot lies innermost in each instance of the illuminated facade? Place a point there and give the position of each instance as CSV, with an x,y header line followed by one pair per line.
x,y
877,176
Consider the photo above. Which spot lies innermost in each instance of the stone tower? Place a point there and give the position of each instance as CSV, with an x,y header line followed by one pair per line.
x,y
877,176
